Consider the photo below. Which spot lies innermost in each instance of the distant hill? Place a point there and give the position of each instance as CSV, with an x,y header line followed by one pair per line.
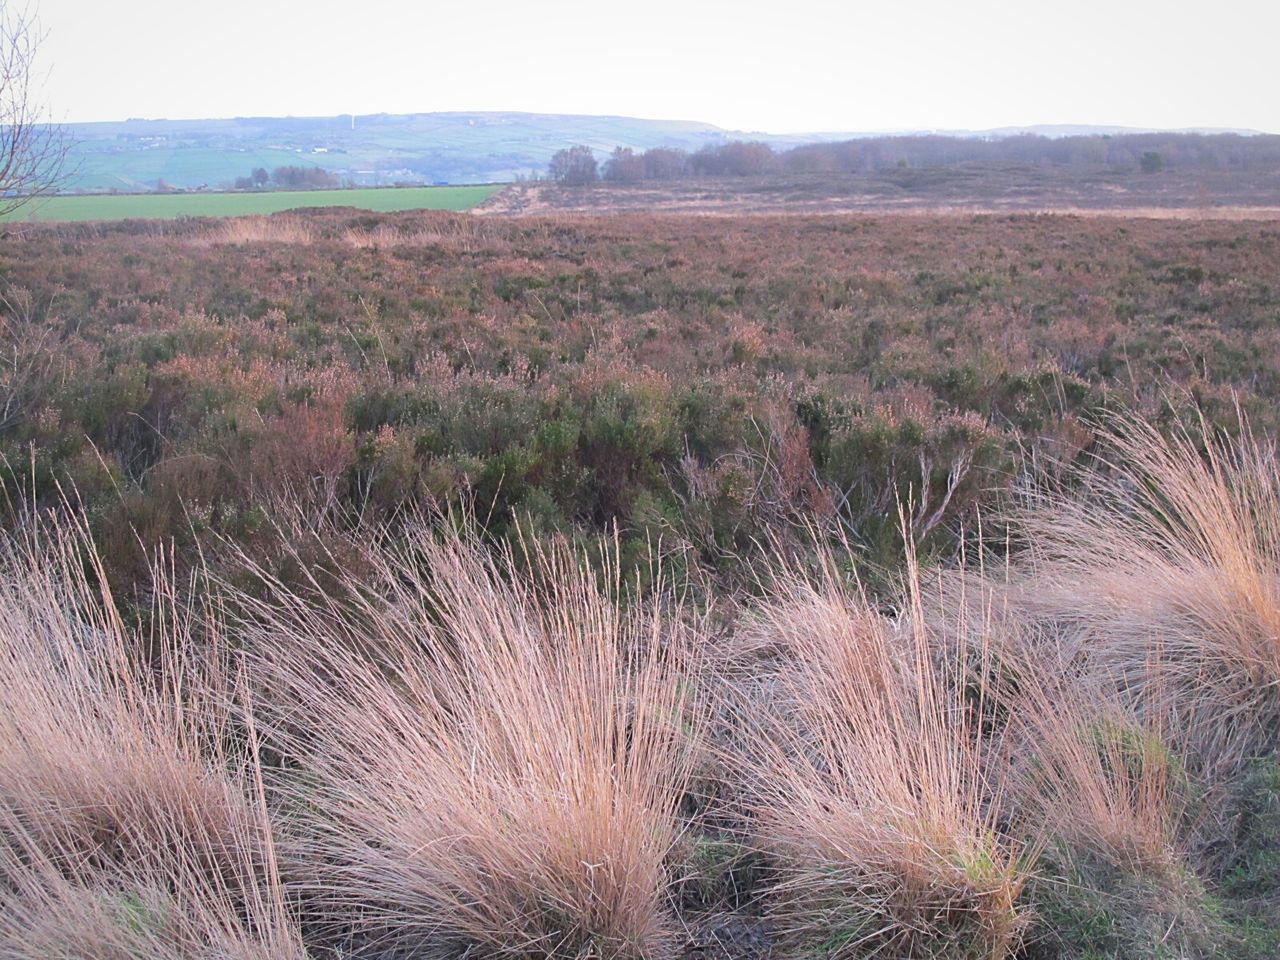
x,y
369,150
1058,130
139,155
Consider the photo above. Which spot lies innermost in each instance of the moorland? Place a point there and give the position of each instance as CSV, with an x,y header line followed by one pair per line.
x,y
697,378
640,586
967,188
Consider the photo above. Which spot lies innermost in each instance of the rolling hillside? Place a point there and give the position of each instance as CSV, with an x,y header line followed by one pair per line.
x,y
372,150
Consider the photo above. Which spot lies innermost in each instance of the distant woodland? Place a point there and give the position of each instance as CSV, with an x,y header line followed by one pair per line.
x,y
1139,153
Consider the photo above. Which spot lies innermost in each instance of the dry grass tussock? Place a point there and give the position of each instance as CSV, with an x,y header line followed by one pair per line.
x,y
492,752
1082,761
1100,778
872,784
281,228
1166,569
461,234
1120,874
127,828
481,760
1135,649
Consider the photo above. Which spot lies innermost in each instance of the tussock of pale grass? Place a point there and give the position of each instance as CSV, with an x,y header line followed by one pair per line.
x,y
869,783
485,761
1099,778
291,229
125,829
1086,766
462,234
382,237
1117,812
1167,567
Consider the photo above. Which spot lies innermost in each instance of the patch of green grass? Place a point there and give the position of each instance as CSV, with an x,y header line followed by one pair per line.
x,y
1254,871
167,206
1088,910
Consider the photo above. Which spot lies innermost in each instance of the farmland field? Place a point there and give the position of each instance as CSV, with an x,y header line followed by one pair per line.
x,y
169,206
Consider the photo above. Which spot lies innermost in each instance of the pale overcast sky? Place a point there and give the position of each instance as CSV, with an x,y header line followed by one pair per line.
x,y
792,66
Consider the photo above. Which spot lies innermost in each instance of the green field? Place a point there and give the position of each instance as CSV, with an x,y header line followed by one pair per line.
x,y
166,206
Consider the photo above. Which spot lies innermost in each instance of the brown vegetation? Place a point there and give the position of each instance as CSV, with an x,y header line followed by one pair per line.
x,y
505,752
813,598
127,827
868,781
698,381
482,763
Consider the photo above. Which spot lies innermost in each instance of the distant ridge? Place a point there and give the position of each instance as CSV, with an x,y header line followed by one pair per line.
x,y
457,147
1084,130
368,149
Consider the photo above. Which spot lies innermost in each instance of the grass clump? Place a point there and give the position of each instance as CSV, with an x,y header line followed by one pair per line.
x,y
1115,804
1148,602
480,761
128,827
870,785
1167,569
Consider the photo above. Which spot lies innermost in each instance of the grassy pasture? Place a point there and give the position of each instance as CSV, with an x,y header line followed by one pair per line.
x,y
172,205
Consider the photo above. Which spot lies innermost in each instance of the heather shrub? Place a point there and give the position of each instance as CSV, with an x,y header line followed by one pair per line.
x,y
930,355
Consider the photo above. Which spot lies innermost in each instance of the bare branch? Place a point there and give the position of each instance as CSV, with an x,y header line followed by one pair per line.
x,y
33,149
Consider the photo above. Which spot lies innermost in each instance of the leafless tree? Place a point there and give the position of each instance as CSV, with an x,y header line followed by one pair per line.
x,y
574,166
33,149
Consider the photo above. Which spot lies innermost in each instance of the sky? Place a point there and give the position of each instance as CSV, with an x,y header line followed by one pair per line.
x,y
781,67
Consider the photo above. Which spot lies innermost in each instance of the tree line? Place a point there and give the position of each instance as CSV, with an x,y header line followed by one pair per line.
x,y
288,178
1148,153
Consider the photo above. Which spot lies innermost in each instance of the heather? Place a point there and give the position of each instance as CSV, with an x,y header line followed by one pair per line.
x,y
699,382
634,587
